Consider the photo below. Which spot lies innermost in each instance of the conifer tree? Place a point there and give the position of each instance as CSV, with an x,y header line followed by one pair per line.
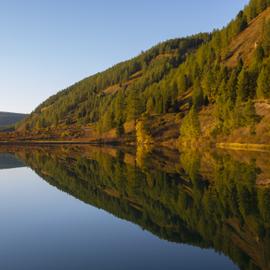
x,y
143,133
259,54
243,85
107,121
119,108
250,112
263,84
231,86
120,130
190,128
182,83
266,38
150,105
250,115
197,97
135,105
241,23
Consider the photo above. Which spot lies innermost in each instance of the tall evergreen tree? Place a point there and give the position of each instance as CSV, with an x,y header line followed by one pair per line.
x,y
191,128
150,105
182,83
266,38
243,85
232,85
241,23
197,97
135,105
119,109
263,83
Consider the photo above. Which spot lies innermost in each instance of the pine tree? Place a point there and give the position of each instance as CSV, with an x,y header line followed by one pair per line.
x,y
190,128
143,133
263,84
150,105
197,97
259,54
231,86
250,112
173,93
159,105
120,130
107,121
119,108
266,38
208,85
135,105
182,83
262,5
241,23
250,116
167,101
243,85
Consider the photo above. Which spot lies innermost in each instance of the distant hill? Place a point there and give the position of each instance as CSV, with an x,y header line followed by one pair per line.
x,y
9,119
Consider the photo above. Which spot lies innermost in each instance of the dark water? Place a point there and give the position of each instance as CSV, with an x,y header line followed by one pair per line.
x,y
105,208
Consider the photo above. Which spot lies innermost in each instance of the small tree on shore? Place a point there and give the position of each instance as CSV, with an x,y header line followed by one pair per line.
x,y
191,128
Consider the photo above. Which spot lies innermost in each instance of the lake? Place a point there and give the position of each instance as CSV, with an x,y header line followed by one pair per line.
x,y
86,207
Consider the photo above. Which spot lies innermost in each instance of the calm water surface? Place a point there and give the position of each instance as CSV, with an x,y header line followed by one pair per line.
x,y
85,208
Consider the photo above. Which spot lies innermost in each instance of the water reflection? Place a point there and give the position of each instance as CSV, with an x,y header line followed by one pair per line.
x,y
216,200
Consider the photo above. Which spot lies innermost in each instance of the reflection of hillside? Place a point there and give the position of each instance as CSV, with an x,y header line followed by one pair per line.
x,y
206,199
9,161
260,158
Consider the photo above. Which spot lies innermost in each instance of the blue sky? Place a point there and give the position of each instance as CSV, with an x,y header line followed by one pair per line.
x,y
47,45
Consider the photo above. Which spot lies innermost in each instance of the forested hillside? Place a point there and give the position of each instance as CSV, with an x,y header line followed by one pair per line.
x,y
100,98
203,86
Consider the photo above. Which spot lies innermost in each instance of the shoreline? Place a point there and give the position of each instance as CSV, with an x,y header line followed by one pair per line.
x,y
55,143
229,146
244,147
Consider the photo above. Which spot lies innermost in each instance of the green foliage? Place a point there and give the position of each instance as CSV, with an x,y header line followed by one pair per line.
x,y
241,23
243,86
266,38
120,130
198,97
143,134
230,115
263,82
89,100
157,81
182,83
190,127
135,106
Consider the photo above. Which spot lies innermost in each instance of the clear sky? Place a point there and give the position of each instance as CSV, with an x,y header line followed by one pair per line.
x,y
46,45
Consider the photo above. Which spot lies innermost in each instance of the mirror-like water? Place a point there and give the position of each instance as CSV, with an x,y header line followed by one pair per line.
x,y
75,207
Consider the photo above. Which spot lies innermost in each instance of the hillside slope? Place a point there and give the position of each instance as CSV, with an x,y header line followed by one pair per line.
x,y
244,45
204,88
87,101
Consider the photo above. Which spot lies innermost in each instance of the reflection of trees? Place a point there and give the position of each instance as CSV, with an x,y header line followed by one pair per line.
x,y
213,203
